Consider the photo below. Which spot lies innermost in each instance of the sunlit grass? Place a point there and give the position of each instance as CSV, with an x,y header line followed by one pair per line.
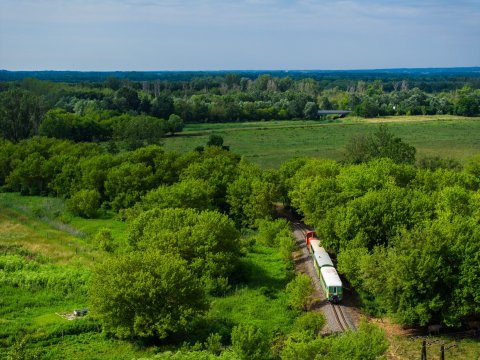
x,y
261,299
273,143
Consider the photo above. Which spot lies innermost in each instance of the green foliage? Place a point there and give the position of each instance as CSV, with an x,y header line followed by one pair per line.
x,y
126,183
194,355
138,131
396,230
84,203
20,114
299,291
250,343
61,124
31,176
105,241
259,299
269,232
126,99
207,240
472,166
380,144
368,343
251,195
217,167
277,234
435,162
301,346
311,110
310,322
146,294
215,140
189,193
468,102
175,124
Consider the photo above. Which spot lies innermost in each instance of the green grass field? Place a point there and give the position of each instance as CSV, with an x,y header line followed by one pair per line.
x,y
261,301
271,143
45,260
44,269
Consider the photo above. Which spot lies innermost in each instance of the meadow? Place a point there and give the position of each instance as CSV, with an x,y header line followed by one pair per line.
x,y
270,143
46,256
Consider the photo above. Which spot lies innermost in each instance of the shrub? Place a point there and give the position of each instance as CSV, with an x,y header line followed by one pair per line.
x,y
84,203
105,241
298,291
250,343
311,322
146,294
270,232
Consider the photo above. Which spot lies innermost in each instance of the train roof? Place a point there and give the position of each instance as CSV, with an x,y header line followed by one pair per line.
x,y
330,276
320,254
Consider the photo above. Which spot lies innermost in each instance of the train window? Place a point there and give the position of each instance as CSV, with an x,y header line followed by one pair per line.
x,y
334,290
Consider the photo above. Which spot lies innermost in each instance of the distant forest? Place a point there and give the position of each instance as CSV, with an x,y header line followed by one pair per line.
x,y
101,106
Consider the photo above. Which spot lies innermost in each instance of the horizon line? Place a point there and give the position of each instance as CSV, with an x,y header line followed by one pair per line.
x,y
252,70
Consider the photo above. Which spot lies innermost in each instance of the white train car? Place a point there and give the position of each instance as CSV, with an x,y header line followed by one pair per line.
x,y
329,279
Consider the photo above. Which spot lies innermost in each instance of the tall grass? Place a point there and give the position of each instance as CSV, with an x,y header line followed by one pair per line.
x,y
450,137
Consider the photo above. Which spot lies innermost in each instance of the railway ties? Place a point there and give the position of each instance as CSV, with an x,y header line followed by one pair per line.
x,y
334,313
343,324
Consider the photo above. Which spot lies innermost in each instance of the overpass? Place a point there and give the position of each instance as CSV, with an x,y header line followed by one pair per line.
x,y
340,113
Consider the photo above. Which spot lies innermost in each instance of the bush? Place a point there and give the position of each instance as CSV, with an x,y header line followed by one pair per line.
x,y
146,294
270,232
105,241
300,346
286,246
84,203
311,322
298,292
368,343
250,343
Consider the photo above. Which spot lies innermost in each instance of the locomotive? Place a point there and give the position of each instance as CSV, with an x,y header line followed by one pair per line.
x,y
329,279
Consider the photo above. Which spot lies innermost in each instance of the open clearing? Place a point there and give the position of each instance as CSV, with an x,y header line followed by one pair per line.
x,y
270,143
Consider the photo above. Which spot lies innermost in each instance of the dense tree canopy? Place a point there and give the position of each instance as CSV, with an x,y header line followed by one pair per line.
x,y
147,294
405,237
207,240
21,113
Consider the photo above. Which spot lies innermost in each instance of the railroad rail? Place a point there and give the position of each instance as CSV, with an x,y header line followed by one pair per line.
x,y
337,311
340,316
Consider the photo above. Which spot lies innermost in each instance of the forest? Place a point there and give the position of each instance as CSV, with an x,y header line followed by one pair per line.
x,y
120,109
199,229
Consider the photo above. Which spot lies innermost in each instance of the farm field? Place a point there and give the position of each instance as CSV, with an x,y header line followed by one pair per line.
x,y
270,143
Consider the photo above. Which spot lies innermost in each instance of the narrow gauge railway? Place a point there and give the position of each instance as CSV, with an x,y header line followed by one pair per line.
x,y
321,259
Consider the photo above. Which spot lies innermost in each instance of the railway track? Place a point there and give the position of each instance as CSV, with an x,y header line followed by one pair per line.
x,y
340,316
335,313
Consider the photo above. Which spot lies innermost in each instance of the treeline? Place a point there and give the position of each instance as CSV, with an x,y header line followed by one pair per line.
x,y
406,237
88,111
427,79
93,179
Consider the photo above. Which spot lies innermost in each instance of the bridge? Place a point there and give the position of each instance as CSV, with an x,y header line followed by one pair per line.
x,y
340,113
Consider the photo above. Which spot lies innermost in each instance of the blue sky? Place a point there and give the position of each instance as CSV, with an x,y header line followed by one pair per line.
x,y
245,34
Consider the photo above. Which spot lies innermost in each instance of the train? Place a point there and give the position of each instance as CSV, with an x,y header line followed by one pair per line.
x,y
329,279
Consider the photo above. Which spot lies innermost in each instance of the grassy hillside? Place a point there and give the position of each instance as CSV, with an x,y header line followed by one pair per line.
x,y
270,143
46,256
45,261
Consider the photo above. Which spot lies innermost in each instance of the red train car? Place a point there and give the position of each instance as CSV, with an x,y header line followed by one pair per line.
x,y
310,235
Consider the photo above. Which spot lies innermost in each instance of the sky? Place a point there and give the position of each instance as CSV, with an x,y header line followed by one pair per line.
x,y
153,35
